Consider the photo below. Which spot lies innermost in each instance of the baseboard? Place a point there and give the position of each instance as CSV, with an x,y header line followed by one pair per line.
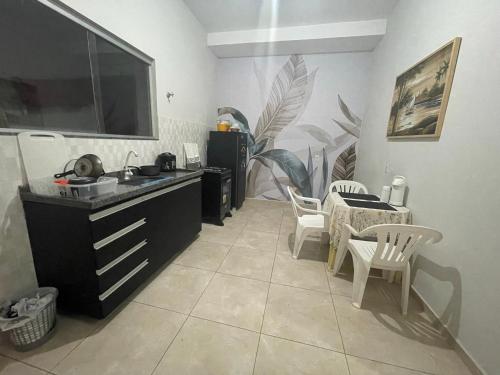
x,y
456,343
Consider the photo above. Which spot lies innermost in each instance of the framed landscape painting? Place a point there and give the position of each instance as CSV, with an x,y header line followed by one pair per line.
x,y
421,95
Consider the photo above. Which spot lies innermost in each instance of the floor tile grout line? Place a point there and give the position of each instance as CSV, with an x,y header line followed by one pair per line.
x,y
267,298
252,278
224,324
185,320
169,345
161,308
257,332
301,288
260,333
243,277
304,343
220,272
393,365
25,363
194,305
81,342
337,320
217,271
196,268
184,314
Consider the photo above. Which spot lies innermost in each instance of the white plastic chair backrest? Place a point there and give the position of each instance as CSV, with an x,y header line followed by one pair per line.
x,y
292,199
347,186
328,204
397,242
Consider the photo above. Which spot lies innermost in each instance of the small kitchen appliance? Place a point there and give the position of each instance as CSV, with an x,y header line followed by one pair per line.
x,y
398,191
216,194
386,193
167,162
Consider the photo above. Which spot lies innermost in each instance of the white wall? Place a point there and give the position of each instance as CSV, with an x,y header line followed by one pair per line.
x,y
245,84
165,30
454,181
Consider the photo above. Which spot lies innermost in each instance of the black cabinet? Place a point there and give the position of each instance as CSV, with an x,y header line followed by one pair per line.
x,y
98,258
229,150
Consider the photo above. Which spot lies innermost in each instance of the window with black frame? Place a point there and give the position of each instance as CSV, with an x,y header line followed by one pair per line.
x,y
56,74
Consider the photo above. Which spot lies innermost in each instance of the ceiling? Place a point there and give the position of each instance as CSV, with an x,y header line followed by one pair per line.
x,y
230,15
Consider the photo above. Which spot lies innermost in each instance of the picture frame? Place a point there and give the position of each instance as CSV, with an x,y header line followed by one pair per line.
x,y
421,95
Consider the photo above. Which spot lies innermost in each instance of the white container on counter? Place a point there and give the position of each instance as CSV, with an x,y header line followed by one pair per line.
x,y
385,194
398,191
104,185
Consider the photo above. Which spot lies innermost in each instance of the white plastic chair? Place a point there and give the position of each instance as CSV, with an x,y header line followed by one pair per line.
x,y
309,220
347,186
395,245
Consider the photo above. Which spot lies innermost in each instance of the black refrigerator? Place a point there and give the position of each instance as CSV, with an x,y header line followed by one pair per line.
x,y
229,150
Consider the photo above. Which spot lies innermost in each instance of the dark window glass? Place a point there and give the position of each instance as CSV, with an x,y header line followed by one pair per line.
x,y
124,90
57,75
45,75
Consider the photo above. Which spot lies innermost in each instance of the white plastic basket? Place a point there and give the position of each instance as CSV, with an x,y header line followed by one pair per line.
x,y
105,185
35,331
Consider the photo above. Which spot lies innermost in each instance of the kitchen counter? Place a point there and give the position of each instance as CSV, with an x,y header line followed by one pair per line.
x,y
123,192
97,252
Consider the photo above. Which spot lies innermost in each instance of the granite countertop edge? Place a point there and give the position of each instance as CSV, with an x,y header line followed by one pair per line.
x,y
109,199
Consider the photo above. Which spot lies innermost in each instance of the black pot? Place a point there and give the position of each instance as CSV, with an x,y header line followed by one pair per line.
x,y
148,170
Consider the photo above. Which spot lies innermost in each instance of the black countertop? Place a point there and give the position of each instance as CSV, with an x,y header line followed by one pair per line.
x,y
123,192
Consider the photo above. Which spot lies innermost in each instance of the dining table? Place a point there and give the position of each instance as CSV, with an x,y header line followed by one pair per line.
x,y
360,211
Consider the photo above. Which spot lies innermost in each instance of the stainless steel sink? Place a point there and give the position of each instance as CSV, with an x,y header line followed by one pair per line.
x,y
136,180
142,180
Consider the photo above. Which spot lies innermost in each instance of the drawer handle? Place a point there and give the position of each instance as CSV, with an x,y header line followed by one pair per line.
x,y
122,206
123,280
120,233
125,255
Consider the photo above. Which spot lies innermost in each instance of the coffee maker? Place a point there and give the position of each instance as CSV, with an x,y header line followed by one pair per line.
x,y
167,162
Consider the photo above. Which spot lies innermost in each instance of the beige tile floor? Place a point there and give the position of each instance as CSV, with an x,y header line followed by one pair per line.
x,y
235,302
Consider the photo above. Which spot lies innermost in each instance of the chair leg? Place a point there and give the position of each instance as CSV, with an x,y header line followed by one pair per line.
x,y
390,278
361,272
332,254
341,252
300,236
405,286
339,259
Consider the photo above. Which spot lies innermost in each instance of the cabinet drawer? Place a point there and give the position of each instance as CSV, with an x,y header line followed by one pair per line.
x,y
117,269
113,296
115,221
112,247
110,220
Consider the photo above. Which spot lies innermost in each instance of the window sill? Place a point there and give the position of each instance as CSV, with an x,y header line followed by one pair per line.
x,y
7,131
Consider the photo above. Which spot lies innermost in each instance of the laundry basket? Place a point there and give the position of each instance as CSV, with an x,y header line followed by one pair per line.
x,y
28,332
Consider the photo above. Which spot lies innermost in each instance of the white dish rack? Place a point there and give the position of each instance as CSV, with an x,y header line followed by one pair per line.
x,y
104,185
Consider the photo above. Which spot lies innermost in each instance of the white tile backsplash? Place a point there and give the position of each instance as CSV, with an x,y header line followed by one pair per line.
x,y
16,264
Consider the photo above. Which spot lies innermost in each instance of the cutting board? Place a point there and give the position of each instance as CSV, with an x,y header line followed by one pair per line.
x,y
43,154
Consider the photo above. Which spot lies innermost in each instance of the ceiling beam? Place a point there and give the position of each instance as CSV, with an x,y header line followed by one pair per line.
x,y
323,38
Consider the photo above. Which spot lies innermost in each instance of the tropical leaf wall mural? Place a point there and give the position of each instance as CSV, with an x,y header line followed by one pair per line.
x,y
271,169
343,169
344,165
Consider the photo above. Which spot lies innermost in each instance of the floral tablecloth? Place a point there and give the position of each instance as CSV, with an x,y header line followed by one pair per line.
x,y
359,218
